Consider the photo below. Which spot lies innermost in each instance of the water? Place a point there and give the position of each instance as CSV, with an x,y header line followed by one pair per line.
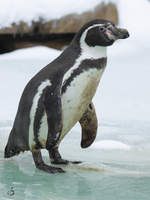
x,y
104,173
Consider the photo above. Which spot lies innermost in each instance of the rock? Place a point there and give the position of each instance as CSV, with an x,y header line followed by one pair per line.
x,y
23,35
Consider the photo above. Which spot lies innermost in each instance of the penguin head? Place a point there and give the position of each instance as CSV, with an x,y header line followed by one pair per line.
x,y
100,32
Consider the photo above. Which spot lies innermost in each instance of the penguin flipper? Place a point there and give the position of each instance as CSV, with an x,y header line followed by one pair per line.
x,y
89,126
53,108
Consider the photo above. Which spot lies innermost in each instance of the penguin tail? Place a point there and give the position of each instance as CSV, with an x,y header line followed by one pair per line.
x,y
11,149
10,152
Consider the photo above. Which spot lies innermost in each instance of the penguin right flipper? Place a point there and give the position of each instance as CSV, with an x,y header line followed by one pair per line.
x,y
89,126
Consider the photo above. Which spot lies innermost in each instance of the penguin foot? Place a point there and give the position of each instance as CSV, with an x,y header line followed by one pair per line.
x,y
56,159
49,169
60,161
39,163
75,162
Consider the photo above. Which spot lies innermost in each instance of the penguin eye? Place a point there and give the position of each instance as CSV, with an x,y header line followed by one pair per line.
x,y
102,29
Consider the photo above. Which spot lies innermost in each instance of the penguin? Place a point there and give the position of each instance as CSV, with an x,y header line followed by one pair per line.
x,y
60,95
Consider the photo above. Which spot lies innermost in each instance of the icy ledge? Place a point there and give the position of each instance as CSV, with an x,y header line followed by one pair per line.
x,y
110,145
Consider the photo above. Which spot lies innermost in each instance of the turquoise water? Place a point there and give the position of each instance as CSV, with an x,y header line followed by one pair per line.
x,y
76,184
104,174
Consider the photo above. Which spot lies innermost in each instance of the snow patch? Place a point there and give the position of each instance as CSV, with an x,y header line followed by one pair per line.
x,y
110,145
39,52
36,9
17,68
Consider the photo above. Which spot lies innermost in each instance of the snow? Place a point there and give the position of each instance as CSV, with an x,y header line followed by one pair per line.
x,y
135,15
32,53
36,9
17,68
110,145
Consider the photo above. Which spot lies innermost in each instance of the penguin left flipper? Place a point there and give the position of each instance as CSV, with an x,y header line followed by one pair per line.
x,y
89,126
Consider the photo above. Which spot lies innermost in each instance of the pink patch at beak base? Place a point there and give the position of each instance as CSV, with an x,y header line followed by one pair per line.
x,y
110,35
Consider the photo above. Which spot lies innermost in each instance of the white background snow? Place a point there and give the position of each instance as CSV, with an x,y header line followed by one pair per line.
x,y
32,10
123,94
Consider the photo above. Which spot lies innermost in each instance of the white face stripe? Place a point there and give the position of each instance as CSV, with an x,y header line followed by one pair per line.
x,y
36,98
87,52
95,52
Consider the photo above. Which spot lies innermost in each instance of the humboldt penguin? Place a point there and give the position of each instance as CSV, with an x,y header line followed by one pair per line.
x,y
60,95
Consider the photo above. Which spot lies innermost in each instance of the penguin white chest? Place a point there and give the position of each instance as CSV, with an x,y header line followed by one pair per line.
x,y
78,96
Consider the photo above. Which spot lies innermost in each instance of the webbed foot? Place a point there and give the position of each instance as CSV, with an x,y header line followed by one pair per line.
x,y
49,169
64,162
55,158
42,166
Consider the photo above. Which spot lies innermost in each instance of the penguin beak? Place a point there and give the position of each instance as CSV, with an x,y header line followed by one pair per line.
x,y
122,33
114,33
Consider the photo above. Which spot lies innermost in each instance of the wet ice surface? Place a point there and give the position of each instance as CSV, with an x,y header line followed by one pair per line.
x,y
108,174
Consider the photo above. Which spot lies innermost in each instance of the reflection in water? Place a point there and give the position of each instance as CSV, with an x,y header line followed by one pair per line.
x,y
11,192
73,185
70,185
102,175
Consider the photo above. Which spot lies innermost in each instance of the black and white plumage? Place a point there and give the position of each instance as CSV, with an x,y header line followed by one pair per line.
x,y
61,94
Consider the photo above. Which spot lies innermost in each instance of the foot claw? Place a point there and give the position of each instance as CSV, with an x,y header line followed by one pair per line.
x,y
75,162
50,169
64,162
60,161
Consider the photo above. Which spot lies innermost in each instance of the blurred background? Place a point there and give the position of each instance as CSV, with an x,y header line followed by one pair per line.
x,y
117,165
49,23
